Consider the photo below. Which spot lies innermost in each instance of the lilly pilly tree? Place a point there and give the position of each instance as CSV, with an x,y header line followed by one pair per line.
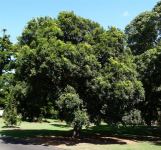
x,y
47,63
48,69
96,63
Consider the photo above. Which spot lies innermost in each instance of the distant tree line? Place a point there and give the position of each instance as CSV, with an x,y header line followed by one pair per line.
x,y
75,69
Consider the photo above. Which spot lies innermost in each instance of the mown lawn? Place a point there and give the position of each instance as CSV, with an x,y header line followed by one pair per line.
x,y
103,137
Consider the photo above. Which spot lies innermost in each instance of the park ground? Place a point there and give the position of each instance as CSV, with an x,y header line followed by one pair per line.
x,y
103,137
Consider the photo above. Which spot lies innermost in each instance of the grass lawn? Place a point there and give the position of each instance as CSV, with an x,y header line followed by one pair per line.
x,y
101,137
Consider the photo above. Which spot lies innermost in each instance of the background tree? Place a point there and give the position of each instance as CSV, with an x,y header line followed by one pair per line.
x,y
149,68
142,32
116,89
144,40
10,115
145,30
5,50
5,59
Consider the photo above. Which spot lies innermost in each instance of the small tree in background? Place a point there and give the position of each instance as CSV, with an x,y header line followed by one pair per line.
x,y
10,115
80,120
71,110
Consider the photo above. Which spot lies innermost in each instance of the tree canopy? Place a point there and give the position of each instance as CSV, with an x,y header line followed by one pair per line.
x,y
71,50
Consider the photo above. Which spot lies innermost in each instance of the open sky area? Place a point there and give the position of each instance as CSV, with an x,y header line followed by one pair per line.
x,y
14,14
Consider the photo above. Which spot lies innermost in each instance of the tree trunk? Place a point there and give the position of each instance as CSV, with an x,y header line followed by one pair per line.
x,y
148,122
76,132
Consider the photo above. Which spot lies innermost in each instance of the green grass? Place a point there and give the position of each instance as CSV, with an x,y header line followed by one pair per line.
x,y
36,129
1,123
133,132
139,146
101,137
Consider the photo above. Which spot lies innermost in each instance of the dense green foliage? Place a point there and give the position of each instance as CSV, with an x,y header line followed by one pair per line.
x,y
10,115
5,52
71,110
102,72
144,31
5,59
144,39
88,74
149,68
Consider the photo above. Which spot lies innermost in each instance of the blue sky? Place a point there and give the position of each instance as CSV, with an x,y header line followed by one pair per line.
x,y
14,14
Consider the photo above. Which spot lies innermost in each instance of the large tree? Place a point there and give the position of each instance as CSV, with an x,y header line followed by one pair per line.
x,y
47,62
71,50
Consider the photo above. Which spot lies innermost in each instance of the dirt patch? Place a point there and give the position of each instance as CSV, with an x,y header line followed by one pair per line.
x,y
96,144
84,143
68,143
124,140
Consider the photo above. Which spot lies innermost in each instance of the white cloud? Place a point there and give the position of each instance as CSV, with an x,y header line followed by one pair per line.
x,y
125,13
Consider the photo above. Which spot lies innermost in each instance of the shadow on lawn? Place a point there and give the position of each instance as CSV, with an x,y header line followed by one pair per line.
x,y
51,137
95,135
60,125
138,133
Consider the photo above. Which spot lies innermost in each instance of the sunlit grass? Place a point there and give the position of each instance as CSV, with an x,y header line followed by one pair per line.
x,y
1,123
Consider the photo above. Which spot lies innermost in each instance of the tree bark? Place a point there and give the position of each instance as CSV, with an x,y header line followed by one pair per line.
x,y
76,132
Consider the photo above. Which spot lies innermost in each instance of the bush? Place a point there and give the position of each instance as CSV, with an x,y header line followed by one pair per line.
x,y
133,118
10,115
80,119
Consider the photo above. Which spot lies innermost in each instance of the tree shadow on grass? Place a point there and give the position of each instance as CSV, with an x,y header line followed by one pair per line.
x,y
95,135
60,125
12,127
52,137
138,133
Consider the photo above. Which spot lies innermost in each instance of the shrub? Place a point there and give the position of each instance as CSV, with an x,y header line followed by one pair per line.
x,y
71,110
10,115
133,118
